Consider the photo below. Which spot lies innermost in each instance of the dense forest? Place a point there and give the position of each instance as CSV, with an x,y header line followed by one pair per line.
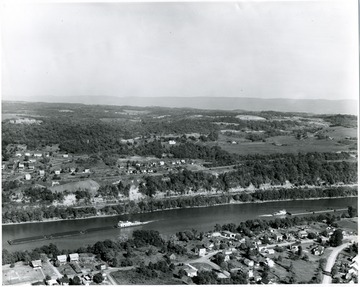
x,y
131,207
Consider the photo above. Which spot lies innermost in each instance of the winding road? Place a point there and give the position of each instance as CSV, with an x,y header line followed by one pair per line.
x,y
332,258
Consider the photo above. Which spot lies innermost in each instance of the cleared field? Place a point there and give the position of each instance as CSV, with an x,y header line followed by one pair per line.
x,y
350,224
250,118
89,185
341,132
285,146
20,274
130,277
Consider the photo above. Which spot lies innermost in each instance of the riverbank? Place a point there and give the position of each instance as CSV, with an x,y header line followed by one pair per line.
x,y
174,208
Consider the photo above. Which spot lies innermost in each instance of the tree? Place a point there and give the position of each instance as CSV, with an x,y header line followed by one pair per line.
x,y
98,278
75,281
47,277
336,238
334,271
352,211
57,263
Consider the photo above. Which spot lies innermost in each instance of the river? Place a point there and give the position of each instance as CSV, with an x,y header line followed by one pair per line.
x,y
166,222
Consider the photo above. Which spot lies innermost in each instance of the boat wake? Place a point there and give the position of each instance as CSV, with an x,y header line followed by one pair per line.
x,y
265,215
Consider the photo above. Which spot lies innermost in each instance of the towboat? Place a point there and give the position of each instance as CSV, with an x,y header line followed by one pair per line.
x,y
280,212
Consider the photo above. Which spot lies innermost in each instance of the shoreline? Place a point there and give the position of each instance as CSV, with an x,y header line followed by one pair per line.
x,y
202,206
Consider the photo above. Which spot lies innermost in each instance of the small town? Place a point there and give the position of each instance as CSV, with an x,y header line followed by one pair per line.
x,y
275,256
179,143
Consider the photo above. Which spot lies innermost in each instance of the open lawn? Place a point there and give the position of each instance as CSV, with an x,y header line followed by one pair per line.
x,y
131,277
289,145
20,274
350,224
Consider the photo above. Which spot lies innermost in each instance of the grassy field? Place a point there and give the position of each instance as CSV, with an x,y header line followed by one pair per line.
x,y
285,145
131,277
20,274
350,224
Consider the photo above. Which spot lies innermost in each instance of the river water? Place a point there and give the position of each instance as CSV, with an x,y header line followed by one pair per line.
x,y
166,222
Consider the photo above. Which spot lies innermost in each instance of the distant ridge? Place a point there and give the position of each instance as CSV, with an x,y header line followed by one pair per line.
x,y
317,106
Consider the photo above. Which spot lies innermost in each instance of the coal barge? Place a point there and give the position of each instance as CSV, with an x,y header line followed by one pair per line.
x,y
58,235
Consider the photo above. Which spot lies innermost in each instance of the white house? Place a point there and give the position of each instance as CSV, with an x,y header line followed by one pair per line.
x,y
65,155
27,176
228,234
248,262
36,263
52,282
74,257
191,271
202,251
172,142
21,165
161,163
269,262
37,154
27,154
41,172
57,172
61,258
270,251
87,170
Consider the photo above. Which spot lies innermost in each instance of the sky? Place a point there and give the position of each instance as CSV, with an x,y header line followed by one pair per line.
x,y
280,49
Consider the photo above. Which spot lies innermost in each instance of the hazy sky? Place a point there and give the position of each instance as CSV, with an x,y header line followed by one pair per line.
x,y
235,49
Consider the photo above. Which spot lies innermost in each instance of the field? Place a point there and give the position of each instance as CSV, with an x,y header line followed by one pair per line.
x,y
350,224
130,277
20,274
25,274
283,144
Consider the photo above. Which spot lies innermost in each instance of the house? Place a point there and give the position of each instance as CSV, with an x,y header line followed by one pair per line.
x,y
277,237
18,154
41,172
87,170
63,281
32,160
74,257
186,280
21,165
302,234
227,258
51,282
270,251
61,258
171,142
65,155
27,176
318,250
202,252
37,154
294,248
262,248
27,154
269,262
191,271
228,234
36,263
100,267
161,163
57,172
257,278
31,167
55,183
72,169
172,256
248,262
